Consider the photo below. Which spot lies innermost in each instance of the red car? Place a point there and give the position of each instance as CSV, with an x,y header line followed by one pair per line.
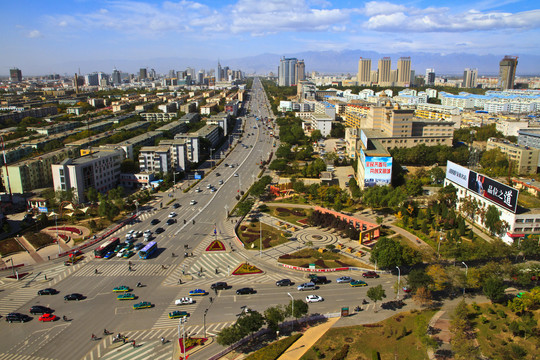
x,y
48,317
370,274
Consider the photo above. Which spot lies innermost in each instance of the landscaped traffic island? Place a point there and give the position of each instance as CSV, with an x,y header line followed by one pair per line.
x,y
324,259
216,245
246,269
252,234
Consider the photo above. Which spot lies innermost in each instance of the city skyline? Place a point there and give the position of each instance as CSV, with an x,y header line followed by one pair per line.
x,y
81,30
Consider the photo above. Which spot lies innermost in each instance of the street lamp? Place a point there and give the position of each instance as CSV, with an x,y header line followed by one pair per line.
x,y
226,211
466,270
292,304
182,322
398,281
204,321
136,207
260,238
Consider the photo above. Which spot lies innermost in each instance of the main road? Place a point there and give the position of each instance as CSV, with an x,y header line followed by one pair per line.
x,y
197,225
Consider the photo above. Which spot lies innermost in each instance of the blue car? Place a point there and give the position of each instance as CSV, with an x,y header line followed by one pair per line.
x,y
197,292
109,255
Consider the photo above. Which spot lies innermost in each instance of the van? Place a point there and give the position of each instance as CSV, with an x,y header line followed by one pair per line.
x,y
306,286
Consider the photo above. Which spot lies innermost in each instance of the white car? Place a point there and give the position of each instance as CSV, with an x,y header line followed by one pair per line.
x,y
121,252
344,279
313,298
184,301
236,174
130,233
192,202
198,190
147,233
138,233
172,214
208,186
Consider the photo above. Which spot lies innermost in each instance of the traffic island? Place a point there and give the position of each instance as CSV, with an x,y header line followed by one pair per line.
x,y
246,269
216,245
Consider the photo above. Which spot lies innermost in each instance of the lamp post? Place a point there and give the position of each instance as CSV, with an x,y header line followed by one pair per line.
x,y
292,304
56,227
136,207
260,238
204,321
12,267
398,281
182,322
466,270
226,211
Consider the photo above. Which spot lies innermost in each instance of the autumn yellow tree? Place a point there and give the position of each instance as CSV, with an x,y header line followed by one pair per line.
x,y
439,276
423,296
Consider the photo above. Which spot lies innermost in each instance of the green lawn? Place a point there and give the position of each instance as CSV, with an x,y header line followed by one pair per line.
x,y
275,349
325,260
290,214
249,234
393,338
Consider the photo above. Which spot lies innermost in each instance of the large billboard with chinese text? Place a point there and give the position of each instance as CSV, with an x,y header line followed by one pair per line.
x,y
501,194
378,170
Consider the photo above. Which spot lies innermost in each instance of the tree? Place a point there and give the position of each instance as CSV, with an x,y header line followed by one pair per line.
x,y
278,165
376,293
251,322
229,335
316,135
418,278
421,325
274,316
92,194
423,296
494,289
284,151
387,253
438,274
492,218
299,309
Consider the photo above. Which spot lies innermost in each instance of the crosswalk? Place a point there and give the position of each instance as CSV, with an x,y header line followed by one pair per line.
x,y
164,322
148,343
16,299
21,357
121,268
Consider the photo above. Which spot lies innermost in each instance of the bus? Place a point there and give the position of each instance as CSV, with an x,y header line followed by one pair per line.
x,y
148,250
107,246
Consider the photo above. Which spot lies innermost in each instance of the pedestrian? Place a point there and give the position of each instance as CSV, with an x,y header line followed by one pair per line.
x,y
216,271
179,281
45,277
49,257
201,269
191,254
211,299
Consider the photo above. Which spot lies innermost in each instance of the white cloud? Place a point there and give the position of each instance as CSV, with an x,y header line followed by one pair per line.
x,y
382,7
34,34
443,20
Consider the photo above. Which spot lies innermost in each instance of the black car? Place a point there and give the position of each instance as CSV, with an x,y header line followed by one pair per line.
x,y
159,230
73,296
244,291
319,280
170,222
176,206
38,309
17,317
154,221
219,286
218,174
284,282
47,291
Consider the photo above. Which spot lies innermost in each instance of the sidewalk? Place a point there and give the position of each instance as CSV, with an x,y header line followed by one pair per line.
x,y
310,337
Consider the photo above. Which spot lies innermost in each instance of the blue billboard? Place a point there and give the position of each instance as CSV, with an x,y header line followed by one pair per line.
x,y
377,170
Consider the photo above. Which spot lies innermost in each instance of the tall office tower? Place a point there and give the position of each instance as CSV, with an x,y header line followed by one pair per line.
x,y
152,74
15,75
404,71
200,77
430,77
469,78
364,72
143,74
507,72
172,73
300,72
287,71
219,72
191,71
91,79
385,65
116,78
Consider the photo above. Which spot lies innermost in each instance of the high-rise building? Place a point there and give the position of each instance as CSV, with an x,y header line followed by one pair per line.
x,y
384,67
287,71
430,77
200,77
507,72
143,74
15,75
404,71
300,72
152,74
116,77
469,78
172,73
91,79
219,72
364,72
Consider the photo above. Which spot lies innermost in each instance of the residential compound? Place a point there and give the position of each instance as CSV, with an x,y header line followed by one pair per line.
x,y
384,75
495,102
156,135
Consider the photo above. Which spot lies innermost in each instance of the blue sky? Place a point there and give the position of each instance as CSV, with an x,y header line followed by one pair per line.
x,y
43,33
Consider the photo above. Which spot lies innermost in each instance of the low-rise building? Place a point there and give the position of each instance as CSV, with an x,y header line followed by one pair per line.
x,y
524,158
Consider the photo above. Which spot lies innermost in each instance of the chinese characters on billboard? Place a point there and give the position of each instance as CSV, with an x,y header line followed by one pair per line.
x,y
378,171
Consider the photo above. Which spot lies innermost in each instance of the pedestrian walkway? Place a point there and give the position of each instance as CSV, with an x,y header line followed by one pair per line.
x,y
164,322
310,337
121,268
5,356
16,300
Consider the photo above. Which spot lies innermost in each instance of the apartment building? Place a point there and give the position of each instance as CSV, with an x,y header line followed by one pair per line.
x,y
158,116
511,128
179,153
155,159
99,170
529,137
524,158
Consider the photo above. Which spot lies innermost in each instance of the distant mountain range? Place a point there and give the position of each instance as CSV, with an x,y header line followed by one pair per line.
x,y
330,62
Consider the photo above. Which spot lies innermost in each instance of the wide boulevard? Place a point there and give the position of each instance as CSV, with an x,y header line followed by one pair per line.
x,y
197,225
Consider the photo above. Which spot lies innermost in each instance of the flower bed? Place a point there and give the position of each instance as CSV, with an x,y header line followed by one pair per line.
x,y
246,269
191,343
68,229
216,245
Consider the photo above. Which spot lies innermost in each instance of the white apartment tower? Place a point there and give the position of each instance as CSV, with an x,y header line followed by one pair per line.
x,y
430,77
404,71
469,78
287,71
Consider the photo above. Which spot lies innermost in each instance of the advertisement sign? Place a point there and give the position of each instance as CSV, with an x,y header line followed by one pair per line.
x,y
378,171
493,190
363,138
43,209
484,186
197,177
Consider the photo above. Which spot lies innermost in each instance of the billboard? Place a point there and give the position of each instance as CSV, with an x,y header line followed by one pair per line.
x,y
501,194
363,138
378,170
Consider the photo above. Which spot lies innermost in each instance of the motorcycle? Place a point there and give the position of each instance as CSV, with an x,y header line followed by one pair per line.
x,y
364,302
140,285
106,332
